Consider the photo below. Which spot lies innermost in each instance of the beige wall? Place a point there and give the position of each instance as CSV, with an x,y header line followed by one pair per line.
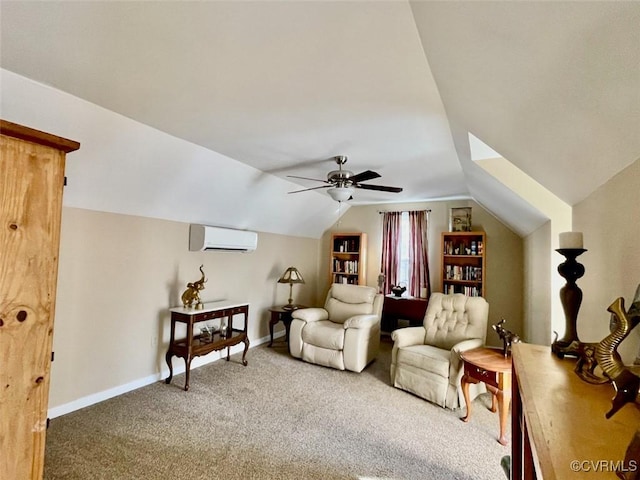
x,y
610,221
537,286
504,252
118,276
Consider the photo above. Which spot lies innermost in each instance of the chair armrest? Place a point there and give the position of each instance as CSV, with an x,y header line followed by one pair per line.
x,y
361,321
467,345
310,314
404,337
455,367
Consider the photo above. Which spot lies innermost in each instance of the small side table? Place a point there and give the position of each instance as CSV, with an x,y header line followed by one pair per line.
x,y
279,314
490,366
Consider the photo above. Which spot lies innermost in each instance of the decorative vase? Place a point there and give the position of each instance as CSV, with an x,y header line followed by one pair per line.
x,y
398,290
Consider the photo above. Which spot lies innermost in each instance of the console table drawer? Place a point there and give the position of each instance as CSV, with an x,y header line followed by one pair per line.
x,y
481,374
210,315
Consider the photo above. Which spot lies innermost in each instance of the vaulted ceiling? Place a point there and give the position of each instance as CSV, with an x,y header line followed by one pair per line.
x,y
283,86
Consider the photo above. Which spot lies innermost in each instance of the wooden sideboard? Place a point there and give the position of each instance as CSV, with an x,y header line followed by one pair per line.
x,y
559,429
194,345
405,308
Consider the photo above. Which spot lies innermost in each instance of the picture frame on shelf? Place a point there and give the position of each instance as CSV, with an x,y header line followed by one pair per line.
x,y
460,219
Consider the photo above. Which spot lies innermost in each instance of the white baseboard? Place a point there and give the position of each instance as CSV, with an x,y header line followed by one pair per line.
x,y
143,382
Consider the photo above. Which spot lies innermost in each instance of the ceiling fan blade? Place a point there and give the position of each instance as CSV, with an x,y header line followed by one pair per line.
x,y
364,176
313,188
307,178
380,188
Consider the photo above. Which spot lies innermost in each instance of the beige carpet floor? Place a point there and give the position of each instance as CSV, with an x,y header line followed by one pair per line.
x,y
277,418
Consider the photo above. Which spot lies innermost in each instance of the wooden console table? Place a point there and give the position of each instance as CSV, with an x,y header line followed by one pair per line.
x,y
559,429
196,345
406,308
490,366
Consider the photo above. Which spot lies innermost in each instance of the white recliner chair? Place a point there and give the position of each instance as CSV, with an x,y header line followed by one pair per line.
x,y
345,334
426,360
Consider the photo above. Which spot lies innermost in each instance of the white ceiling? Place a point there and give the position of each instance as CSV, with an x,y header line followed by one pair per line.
x,y
396,86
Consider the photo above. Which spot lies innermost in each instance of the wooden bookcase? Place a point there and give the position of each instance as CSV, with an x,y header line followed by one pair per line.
x,y
464,263
348,258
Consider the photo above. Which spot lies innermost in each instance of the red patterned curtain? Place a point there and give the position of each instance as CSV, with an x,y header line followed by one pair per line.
x,y
418,254
390,249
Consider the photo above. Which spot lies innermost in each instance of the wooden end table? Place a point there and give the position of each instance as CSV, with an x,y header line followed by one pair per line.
x,y
490,366
280,314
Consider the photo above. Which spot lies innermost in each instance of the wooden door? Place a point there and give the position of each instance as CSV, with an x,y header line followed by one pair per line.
x,y
31,183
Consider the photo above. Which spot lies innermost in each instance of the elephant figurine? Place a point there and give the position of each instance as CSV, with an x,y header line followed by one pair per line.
x,y
508,338
191,295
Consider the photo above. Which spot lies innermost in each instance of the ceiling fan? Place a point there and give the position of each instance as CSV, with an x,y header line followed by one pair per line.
x,y
342,183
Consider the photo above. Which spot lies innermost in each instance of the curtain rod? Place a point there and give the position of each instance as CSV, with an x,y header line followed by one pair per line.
x,y
401,211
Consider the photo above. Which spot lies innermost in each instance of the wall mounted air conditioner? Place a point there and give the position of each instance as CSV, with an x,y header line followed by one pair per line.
x,y
203,237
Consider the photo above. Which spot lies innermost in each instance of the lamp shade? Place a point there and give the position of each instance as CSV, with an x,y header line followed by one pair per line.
x,y
291,275
340,194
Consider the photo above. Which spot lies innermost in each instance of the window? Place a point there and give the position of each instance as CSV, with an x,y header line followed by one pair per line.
x,y
405,252
404,267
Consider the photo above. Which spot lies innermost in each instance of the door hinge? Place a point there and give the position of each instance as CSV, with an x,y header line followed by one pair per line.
x,y
65,181
48,422
53,354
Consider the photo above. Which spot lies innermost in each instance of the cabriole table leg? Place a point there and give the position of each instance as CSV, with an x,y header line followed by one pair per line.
x,y
464,383
246,349
167,358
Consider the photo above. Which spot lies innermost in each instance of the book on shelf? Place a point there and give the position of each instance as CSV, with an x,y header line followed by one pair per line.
x,y
460,248
469,291
463,272
345,266
345,279
350,245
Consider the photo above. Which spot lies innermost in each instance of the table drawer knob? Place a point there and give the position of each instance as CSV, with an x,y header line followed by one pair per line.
x,y
482,374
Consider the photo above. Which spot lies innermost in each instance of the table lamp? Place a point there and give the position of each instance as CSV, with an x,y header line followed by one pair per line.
x,y
291,276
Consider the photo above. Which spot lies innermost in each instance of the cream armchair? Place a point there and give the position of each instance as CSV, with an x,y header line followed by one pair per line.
x,y
345,334
426,360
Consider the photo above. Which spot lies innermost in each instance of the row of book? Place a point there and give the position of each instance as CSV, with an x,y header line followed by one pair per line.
x,y
463,272
347,245
468,291
462,248
345,266
345,279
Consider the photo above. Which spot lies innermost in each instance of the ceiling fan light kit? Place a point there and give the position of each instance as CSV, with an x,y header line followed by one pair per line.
x,y
340,194
342,183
